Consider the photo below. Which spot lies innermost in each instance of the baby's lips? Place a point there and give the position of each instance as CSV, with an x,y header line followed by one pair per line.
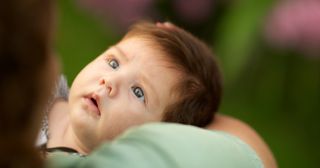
x,y
96,97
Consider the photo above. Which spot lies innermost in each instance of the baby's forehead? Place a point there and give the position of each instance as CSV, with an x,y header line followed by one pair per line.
x,y
135,46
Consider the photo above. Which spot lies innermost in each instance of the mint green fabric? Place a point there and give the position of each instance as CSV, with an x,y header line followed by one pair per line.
x,y
164,145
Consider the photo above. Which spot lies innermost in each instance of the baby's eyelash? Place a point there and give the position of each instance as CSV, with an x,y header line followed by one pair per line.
x,y
112,61
109,57
145,94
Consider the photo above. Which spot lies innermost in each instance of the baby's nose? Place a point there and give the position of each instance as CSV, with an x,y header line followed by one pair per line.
x,y
109,86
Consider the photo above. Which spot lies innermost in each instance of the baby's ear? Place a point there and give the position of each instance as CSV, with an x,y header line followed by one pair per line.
x,y
166,25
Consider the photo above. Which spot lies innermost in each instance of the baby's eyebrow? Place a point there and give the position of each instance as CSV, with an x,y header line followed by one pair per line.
x,y
122,55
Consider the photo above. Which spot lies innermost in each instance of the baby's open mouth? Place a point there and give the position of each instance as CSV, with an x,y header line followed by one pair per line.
x,y
95,103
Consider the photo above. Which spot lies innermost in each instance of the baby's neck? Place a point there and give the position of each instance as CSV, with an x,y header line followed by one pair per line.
x,y
60,131
70,140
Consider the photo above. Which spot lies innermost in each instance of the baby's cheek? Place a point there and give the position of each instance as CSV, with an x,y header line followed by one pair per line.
x,y
112,128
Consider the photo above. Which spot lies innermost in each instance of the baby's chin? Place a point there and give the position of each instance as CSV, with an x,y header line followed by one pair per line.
x,y
113,133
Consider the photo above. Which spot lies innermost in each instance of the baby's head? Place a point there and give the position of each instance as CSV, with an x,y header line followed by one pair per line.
x,y
198,91
155,73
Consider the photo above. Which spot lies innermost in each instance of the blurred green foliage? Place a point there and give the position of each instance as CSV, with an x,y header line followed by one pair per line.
x,y
276,91
80,38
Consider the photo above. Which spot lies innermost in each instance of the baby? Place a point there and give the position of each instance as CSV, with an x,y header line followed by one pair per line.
x,y
157,72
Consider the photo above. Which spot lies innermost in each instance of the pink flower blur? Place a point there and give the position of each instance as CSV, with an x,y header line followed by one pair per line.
x,y
193,11
296,24
121,13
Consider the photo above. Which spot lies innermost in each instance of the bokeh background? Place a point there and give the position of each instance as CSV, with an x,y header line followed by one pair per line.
x,y
269,51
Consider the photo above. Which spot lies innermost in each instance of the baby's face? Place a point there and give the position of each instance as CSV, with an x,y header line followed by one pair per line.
x,y
127,85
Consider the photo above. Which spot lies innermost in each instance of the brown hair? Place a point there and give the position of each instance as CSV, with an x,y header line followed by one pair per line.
x,y
200,89
24,50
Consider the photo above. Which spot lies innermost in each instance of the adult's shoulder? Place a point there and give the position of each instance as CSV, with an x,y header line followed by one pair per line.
x,y
165,145
177,145
247,134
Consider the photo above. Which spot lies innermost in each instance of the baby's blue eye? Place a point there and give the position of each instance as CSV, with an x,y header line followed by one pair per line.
x,y
113,63
138,92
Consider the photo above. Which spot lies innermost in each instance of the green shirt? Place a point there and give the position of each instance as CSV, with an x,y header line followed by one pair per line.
x,y
165,145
